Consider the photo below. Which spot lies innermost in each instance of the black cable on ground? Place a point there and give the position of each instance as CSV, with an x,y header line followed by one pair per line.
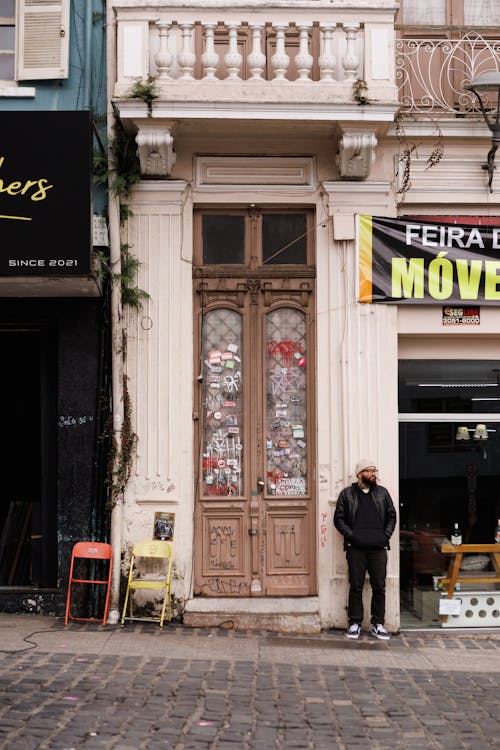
x,y
27,640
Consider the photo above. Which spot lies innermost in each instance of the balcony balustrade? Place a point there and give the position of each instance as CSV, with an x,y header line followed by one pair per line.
x,y
287,61
303,53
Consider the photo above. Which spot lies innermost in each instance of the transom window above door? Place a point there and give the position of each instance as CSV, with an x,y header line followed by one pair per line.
x,y
254,238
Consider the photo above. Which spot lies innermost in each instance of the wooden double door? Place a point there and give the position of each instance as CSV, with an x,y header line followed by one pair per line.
x,y
255,490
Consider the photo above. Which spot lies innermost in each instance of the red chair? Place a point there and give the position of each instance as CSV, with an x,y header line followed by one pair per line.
x,y
90,551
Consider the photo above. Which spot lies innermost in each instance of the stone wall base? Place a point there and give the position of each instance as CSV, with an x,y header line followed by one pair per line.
x,y
279,615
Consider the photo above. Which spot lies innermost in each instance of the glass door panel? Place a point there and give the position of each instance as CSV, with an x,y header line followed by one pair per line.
x,y
286,446
222,404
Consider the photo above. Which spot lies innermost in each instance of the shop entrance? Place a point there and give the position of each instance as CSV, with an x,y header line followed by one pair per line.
x,y
255,508
28,552
449,471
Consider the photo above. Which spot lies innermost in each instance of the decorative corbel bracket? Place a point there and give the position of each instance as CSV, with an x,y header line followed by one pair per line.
x,y
155,148
356,154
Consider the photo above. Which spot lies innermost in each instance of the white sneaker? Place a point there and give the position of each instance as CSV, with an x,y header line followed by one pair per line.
x,y
380,632
354,631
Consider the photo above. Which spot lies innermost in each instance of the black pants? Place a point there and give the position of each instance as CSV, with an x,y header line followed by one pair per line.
x,y
375,562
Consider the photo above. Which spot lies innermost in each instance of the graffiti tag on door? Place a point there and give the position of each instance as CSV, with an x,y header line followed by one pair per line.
x,y
224,545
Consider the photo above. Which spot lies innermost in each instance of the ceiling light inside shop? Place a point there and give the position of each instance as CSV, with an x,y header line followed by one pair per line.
x,y
457,385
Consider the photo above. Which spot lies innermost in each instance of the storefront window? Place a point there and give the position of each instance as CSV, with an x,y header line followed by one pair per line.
x,y
449,386
449,463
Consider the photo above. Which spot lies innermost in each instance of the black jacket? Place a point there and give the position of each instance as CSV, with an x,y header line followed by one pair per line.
x,y
347,506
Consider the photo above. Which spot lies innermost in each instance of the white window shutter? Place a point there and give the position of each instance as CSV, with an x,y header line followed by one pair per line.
x,y
42,39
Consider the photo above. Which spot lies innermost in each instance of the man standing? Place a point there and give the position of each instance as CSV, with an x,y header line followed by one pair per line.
x,y
365,516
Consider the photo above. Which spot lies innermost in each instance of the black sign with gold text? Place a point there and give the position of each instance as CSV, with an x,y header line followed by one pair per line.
x,y
45,193
421,262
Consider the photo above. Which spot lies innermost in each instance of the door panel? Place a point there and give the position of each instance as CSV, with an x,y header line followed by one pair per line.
x,y
255,506
223,510
287,519
288,549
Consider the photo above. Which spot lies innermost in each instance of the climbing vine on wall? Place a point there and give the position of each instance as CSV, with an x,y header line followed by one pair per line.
x,y
119,169
409,152
122,451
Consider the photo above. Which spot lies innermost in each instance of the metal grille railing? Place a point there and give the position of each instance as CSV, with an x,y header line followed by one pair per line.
x,y
432,73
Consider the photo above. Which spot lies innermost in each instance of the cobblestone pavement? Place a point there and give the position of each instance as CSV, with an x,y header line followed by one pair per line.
x,y
91,687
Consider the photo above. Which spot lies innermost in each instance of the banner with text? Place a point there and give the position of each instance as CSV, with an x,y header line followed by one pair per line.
x,y
420,262
45,193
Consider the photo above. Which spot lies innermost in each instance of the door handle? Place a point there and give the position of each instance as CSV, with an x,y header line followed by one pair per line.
x,y
260,485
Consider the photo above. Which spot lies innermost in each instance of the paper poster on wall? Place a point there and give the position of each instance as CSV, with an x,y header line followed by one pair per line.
x,y
450,606
164,526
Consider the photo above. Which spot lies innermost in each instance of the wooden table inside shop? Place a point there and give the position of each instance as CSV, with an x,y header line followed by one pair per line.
x,y
457,551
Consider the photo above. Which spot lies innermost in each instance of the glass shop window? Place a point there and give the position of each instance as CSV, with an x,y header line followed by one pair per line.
x,y
447,386
449,459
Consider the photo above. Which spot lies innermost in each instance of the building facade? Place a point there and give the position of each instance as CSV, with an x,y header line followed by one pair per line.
x,y
54,325
257,377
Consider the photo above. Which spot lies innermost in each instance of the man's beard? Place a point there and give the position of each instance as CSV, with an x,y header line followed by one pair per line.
x,y
369,480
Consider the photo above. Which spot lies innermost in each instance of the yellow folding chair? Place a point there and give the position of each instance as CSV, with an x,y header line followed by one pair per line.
x,y
154,582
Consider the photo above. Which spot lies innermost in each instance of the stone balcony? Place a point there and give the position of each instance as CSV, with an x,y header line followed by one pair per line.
x,y
281,61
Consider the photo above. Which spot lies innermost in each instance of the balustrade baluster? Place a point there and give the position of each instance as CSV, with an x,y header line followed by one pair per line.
x,y
350,61
280,60
326,60
304,60
186,57
163,58
233,59
256,59
210,58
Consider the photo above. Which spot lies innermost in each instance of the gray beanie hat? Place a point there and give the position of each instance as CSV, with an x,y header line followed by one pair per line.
x,y
364,463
